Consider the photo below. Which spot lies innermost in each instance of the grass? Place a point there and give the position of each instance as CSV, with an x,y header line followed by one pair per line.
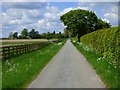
x,y
19,71
107,72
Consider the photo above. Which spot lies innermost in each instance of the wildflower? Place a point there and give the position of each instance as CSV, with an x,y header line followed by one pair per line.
x,y
59,43
74,41
10,69
78,42
115,67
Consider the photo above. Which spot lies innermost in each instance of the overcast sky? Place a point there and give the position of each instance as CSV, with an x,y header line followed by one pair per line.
x,y
44,16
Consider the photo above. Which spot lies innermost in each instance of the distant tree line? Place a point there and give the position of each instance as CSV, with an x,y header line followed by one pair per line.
x,y
34,34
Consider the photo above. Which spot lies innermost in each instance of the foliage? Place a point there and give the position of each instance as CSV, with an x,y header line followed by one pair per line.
x,y
15,35
53,32
34,34
59,35
105,43
49,35
66,33
107,71
24,33
80,22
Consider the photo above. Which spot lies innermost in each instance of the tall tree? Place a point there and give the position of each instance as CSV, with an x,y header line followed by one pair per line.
x,y
24,33
48,36
15,35
34,34
53,32
37,35
80,22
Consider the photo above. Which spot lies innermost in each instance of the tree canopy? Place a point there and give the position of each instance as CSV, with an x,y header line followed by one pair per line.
x,y
34,34
24,33
15,35
80,22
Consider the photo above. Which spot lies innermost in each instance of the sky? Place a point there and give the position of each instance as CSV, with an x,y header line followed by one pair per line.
x,y
44,16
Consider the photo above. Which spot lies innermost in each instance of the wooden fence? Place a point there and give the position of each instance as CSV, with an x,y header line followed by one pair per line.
x,y
10,51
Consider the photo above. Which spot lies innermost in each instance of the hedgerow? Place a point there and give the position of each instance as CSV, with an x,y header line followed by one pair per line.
x,y
106,43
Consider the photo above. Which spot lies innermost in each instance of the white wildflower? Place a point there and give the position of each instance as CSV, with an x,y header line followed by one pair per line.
x,y
100,58
10,69
74,41
59,43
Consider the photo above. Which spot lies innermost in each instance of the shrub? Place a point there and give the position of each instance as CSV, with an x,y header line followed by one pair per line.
x,y
106,43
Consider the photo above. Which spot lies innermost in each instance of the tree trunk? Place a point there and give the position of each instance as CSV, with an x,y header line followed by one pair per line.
x,y
78,38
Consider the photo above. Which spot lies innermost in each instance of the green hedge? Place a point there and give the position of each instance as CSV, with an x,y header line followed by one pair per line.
x,y
105,42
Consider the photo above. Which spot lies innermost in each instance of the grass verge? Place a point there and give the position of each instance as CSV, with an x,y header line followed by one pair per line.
x,y
104,69
19,71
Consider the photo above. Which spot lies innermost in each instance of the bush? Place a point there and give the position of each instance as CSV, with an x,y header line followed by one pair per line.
x,y
106,43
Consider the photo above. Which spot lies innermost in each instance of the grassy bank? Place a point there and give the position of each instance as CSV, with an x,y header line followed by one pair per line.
x,y
107,72
19,71
106,43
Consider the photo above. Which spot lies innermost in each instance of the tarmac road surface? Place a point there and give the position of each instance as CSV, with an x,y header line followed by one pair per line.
x,y
68,69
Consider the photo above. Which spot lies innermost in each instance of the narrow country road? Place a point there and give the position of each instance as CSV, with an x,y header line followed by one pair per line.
x,y
68,69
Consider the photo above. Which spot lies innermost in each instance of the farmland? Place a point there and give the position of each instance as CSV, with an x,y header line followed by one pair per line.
x,y
9,42
12,48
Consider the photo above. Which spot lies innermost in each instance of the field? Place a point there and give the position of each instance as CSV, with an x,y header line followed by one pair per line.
x,y
9,42
12,48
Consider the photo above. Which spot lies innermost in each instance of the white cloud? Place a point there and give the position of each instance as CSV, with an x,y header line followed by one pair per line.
x,y
19,16
33,13
13,22
112,15
84,8
5,19
14,13
51,9
51,16
61,0
24,0
106,20
73,8
43,19
98,0
41,24
65,11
